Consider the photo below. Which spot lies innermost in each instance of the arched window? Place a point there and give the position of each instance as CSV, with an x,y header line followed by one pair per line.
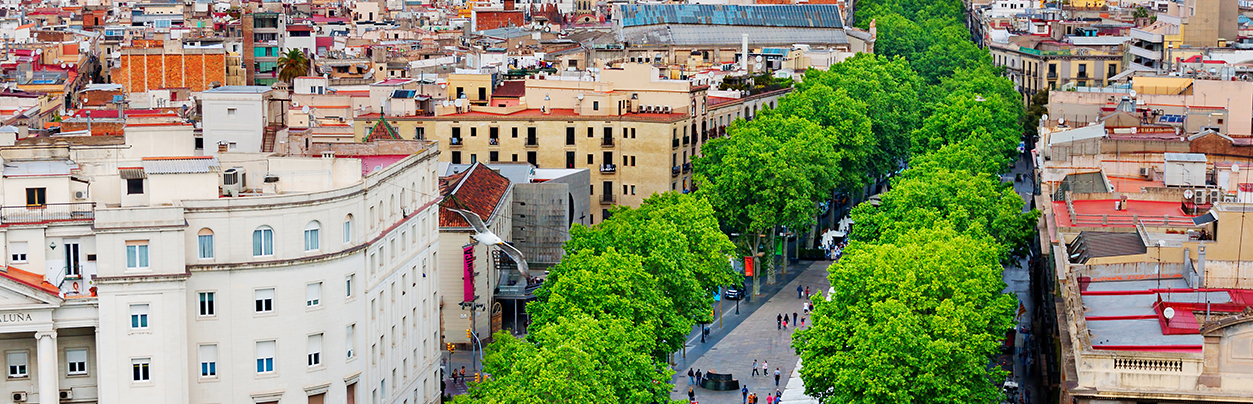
x,y
348,229
263,241
312,236
204,243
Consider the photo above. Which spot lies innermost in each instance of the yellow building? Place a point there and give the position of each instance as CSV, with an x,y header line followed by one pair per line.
x,y
636,133
1087,3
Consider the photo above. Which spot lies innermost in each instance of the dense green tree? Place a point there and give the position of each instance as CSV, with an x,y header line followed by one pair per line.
x,y
292,64
610,284
898,36
678,238
1037,110
913,321
975,203
574,359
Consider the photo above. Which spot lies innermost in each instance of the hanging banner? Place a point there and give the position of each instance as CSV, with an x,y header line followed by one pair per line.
x,y
748,266
467,276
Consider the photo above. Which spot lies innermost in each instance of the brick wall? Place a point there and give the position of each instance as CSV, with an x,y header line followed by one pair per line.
x,y
143,72
498,19
98,98
98,128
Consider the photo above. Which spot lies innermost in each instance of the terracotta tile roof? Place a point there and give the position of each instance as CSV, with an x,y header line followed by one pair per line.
x,y
477,189
383,130
30,279
511,89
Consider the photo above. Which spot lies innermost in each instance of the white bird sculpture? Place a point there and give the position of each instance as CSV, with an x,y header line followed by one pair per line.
x,y
485,236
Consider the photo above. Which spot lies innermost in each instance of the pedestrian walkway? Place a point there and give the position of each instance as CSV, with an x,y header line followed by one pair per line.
x,y
757,337
795,391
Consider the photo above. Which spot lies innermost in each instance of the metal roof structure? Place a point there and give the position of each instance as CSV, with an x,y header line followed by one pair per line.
x,y
38,168
727,35
181,165
795,16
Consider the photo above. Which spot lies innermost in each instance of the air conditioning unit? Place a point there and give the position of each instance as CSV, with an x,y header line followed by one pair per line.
x,y
67,394
328,154
1215,195
648,109
666,109
233,181
80,195
1200,196
19,396
1144,172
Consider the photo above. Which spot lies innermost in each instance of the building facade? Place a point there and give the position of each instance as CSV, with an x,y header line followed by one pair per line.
x,y
136,279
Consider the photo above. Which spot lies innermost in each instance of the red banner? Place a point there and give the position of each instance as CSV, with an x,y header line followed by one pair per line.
x,y
467,276
748,266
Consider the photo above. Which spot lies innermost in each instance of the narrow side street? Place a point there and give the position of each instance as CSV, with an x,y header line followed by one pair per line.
x,y
1018,281
754,336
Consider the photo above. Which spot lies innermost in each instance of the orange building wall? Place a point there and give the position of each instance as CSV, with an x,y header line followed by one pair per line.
x,y
140,73
498,19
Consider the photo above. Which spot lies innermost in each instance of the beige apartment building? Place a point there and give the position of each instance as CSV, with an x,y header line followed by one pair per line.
x,y
635,132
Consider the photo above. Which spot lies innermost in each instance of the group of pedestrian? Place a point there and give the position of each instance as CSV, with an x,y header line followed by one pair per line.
x,y
459,377
783,320
695,378
751,398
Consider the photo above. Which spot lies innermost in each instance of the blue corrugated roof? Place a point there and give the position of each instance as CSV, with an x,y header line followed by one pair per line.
x,y
806,16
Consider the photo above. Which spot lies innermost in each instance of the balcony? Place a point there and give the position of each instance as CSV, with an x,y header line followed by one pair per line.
x,y
686,140
1052,76
493,141
455,142
52,212
674,172
687,167
674,144
608,168
606,142
532,142
606,199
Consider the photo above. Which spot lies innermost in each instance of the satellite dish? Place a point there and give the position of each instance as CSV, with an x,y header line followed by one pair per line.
x,y
1169,313
304,109
580,96
1133,93
460,102
1187,194
1235,168
1045,117
758,66
758,58
63,65
1061,121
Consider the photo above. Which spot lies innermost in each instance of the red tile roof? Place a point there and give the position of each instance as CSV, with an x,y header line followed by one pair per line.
x,y
30,279
478,189
511,89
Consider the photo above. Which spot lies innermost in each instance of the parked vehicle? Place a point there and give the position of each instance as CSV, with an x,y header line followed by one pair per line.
x,y
734,292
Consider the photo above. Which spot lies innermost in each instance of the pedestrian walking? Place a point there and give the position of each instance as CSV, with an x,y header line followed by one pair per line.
x,y
778,395
754,368
777,373
691,394
793,318
802,321
799,291
785,322
744,391
779,321
698,378
769,399
765,368
463,375
691,377
807,292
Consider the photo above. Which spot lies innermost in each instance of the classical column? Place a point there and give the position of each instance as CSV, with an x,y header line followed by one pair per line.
x,y
48,393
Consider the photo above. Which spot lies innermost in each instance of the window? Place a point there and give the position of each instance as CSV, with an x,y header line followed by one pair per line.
x,y
474,131
596,105
348,229
263,242
313,294
17,251
134,186
208,360
570,136
493,132
456,133
265,356
204,240
569,159
419,133
264,299
16,361
139,316
530,158
230,112
315,350
514,131
311,236
348,285
36,196
139,369
350,341
206,304
456,157
75,362
590,132
590,159
137,254
493,156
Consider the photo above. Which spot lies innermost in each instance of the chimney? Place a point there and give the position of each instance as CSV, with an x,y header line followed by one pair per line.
x,y
249,59
1200,266
744,53
89,123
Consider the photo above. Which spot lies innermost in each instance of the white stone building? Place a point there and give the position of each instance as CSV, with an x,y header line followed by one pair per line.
x,y
134,279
